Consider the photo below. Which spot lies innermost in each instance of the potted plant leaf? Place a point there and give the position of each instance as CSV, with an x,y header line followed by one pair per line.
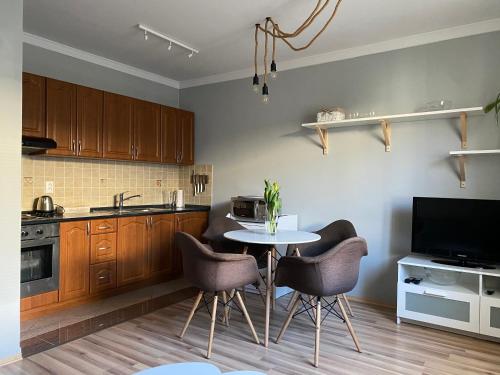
x,y
273,205
494,105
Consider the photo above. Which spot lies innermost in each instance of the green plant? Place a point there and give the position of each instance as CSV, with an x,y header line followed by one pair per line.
x,y
273,205
494,105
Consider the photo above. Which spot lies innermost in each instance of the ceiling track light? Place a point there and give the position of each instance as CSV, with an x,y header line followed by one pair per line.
x,y
271,29
171,41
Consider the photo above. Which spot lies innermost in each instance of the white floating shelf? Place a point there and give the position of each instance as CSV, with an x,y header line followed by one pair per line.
x,y
474,152
386,120
461,154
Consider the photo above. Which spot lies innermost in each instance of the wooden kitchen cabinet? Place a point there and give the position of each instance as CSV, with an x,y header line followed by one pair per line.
x,y
102,248
132,255
102,277
168,135
61,117
162,229
147,131
34,105
118,130
89,109
74,253
194,223
185,137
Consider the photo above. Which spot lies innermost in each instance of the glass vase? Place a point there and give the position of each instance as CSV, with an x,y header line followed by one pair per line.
x,y
271,222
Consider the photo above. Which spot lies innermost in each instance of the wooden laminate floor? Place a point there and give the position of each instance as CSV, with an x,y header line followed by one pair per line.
x,y
151,340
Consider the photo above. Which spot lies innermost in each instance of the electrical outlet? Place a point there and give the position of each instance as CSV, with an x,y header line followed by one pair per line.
x,y
158,183
49,187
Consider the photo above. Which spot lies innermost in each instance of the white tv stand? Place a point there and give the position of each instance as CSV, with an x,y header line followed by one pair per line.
x,y
463,306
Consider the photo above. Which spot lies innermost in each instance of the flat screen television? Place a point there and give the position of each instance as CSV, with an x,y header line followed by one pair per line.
x,y
466,230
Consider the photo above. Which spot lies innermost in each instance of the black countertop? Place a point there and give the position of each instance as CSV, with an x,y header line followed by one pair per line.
x,y
110,212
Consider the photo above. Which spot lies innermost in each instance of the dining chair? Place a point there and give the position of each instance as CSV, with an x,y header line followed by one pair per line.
x,y
214,273
331,235
329,274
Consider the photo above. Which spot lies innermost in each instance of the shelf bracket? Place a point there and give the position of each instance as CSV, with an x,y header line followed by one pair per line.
x,y
386,129
323,137
463,129
461,170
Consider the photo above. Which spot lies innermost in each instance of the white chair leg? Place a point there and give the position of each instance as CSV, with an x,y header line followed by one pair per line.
x,y
349,326
247,317
318,329
295,295
288,319
347,304
212,326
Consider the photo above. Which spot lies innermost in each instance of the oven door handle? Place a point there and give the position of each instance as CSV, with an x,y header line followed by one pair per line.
x,y
40,242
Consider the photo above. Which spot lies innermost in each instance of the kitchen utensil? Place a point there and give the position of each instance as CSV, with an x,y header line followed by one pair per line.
x,y
44,204
178,198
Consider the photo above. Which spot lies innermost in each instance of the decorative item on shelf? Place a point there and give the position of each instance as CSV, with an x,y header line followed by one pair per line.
x,y
436,105
273,205
494,105
333,114
199,182
272,30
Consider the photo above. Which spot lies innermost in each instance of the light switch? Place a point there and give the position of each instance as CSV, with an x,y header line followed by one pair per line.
x,y
49,187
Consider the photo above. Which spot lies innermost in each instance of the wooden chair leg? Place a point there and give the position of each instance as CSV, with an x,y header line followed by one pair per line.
x,y
349,326
225,318
212,326
288,319
318,329
193,310
247,317
347,304
295,295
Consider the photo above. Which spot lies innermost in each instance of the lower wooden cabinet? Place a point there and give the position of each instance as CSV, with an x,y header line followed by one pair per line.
x,y
102,277
162,229
74,260
194,223
103,248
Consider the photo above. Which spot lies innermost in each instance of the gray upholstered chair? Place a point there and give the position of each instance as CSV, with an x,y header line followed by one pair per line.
x,y
331,235
212,273
329,274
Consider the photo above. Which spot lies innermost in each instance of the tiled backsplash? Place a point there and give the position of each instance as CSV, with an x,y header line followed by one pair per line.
x,y
93,183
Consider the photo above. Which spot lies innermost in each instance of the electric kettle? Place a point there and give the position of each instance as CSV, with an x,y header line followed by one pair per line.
x,y
44,204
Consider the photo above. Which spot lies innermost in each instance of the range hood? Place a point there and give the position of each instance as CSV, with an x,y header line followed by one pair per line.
x,y
37,145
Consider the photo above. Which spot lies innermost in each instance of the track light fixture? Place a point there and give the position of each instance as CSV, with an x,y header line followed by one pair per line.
x,y
271,29
171,41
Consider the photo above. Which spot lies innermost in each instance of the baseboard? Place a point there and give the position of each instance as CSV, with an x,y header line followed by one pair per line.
x,y
370,302
11,359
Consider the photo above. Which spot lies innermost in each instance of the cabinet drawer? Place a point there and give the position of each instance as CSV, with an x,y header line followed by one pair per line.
x,y
103,226
102,277
102,248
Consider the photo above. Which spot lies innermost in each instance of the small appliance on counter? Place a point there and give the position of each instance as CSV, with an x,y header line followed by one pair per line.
x,y
44,206
178,198
248,208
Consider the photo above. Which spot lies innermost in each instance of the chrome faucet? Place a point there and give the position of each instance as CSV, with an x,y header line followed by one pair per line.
x,y
121,199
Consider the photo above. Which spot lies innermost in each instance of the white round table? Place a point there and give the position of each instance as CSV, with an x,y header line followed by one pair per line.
x,y
261,237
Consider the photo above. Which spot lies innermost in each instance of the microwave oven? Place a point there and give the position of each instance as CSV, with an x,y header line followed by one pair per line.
x,y
248,208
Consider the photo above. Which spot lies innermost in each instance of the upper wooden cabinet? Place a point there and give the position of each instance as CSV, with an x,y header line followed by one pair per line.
x,y
168,135
74,260
34,105
89,110
118,134
185,137
147,131
61,116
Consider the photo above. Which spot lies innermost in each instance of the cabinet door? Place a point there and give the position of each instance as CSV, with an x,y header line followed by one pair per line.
x,y
169,152
102,277
89,110
33,105
61,116
117,127
132,254
147,131
162,244
74,260
185,137
194,223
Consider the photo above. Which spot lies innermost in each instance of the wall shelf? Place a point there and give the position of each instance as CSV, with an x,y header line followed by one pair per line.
x,y
386,121
461,154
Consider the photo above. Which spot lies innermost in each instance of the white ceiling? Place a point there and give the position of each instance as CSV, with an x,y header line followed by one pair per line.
x,y
223,29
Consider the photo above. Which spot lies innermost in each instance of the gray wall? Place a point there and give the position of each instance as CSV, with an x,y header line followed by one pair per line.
x,y
11,32
55,65
248,141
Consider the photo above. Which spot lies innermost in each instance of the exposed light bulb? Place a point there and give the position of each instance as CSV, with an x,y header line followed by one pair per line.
x,y
265,94
255,85
145,35
170,46
274,73
191,54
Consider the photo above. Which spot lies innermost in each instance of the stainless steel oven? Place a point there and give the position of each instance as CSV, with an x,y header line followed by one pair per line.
x,y
39,258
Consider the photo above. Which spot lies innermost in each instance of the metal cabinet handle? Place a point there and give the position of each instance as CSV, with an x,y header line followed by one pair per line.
x,y
102,277
79,147
88,228
103,248
73,147
103,227
132,150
